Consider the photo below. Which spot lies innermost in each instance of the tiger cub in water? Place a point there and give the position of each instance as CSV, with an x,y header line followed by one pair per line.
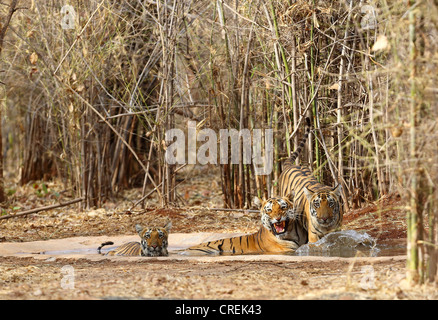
x,y
154,242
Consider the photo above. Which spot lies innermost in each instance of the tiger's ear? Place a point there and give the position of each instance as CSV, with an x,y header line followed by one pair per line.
x,y
168,226
138,228
337,190
308,193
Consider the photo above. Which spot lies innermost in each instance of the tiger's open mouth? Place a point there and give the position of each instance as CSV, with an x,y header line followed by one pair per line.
x,y
279,227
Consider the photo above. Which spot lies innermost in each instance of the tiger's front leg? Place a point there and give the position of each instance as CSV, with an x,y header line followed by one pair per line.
x,y
313,237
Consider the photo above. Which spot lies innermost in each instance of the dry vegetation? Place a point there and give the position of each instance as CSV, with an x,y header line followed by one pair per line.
x,y
88,107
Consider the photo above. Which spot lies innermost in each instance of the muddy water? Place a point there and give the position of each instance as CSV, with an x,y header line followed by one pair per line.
x,y
351,243
346,243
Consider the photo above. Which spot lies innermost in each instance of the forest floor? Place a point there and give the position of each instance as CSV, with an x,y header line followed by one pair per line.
x,y
247,277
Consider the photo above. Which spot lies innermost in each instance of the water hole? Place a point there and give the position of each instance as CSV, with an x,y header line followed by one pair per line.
x,y
345,243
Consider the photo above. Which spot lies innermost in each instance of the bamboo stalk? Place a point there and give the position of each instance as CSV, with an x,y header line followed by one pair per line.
x,y
339,111
294,92
413,275
313,93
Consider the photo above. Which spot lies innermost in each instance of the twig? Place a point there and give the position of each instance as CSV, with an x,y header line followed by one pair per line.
x,y
227,209
53,206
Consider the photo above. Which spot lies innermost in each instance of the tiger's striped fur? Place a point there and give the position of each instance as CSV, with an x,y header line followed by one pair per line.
x,y
318,205
154,242
279,233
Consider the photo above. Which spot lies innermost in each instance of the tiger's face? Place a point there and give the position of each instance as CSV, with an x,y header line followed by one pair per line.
x,y
325,207
277,213
154,240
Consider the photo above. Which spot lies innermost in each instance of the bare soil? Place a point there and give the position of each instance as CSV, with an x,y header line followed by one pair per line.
x,y
251,277
27,278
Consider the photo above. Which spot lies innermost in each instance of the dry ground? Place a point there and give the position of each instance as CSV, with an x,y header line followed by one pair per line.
x,y
27,278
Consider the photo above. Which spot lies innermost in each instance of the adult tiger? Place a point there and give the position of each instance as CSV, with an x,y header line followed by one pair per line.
x,y
154,241
280,233
318,205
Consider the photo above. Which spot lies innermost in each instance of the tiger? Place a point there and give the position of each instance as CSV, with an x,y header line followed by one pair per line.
x,y
279,233
154,242
318,205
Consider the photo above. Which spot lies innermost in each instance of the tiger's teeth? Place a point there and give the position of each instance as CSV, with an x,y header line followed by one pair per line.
x,y
279,226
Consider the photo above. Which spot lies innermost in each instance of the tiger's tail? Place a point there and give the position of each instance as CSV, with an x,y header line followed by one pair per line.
x,y
108,243
290,161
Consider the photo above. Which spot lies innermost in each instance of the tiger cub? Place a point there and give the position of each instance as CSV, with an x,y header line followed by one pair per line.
x,y
318,205
154,241
280,233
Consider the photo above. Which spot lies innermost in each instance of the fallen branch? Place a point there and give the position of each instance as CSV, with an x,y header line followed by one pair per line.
x,y
53,206
237,210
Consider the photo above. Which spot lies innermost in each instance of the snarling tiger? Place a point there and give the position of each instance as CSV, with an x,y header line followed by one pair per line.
x,y
154,241
280,233
318,205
